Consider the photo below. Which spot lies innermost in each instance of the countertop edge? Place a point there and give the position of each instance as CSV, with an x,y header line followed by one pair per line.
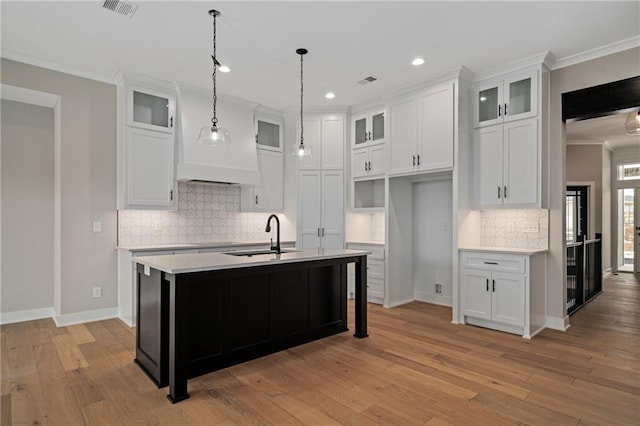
x,y
205,245
505,250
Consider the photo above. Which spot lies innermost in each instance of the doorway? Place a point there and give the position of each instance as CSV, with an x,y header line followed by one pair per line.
x,y
629,230
577,213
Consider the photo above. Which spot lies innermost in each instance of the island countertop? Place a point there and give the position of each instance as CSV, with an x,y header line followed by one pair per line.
x,y
198,262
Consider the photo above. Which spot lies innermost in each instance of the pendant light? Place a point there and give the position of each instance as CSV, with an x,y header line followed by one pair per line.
x,y
300,149
213,134
632,124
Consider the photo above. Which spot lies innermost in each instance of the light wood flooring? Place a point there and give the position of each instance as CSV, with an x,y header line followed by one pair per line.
x,y
415,368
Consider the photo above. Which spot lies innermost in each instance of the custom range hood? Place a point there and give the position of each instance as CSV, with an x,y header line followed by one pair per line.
x,y
232,163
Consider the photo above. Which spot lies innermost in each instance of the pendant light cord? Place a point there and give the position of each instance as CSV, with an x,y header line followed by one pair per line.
x,y
301,100
214,119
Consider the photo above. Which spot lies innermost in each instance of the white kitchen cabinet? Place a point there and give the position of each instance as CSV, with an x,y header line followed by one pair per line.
x,y
267,196
321,209
368,161
150,109
368,195
503,291
269,130
422,131
325,135
375,272
506,98
368,128
506,164
150,169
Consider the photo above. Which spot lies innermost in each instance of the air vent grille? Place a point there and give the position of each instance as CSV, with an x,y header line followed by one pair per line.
x,y
125,8
367,80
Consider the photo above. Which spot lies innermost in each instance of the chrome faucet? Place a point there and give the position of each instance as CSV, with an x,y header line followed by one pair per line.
x,y
276,248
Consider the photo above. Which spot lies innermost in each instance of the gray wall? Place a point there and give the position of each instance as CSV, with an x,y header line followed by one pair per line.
x,y
88,181
606,69
27,207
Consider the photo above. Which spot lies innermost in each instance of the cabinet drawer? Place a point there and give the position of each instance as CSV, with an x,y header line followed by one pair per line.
x,y
375,269
488,262
375,288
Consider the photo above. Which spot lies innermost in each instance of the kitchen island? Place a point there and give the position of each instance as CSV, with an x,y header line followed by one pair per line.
x,y
201,312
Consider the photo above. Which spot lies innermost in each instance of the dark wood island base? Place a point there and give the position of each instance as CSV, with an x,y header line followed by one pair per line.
x,y
194,323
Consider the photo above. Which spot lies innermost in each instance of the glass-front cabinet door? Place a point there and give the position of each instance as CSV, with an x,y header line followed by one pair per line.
x,y
377,127
360,129
150,110
268,132
520,95
368,128
488,108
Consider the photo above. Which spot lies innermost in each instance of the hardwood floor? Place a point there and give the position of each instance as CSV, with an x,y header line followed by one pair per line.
x,y
415,368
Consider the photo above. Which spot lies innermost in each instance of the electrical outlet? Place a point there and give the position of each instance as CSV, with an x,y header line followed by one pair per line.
x,y
97,226
531,227
438,289
97,292
511,229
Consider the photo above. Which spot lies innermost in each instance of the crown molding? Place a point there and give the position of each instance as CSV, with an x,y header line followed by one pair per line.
x,y
545,58
596,53
458,72
36,62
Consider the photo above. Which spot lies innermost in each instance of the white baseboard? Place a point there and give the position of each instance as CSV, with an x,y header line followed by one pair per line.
x,y
26,315
398,303
433,298
86,316
561,324
130,321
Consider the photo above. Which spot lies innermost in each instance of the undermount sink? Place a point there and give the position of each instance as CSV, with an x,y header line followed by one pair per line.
x,y
253,252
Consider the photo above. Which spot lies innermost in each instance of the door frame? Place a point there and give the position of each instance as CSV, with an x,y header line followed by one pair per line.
x,y
48,100
590,199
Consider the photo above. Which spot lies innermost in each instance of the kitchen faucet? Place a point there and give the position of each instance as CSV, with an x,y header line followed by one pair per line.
x,y
268,229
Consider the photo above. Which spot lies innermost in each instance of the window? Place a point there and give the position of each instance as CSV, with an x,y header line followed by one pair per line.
x,y
629,171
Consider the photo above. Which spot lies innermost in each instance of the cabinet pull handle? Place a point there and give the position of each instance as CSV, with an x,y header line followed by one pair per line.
x,y
171,195
498,192
505,192
369,165
171,122
369,135
493,285
318,232
418,157
490,263
365,166
505,109
256,138
487,284
323,232
499,110
414,160
256,199
365,136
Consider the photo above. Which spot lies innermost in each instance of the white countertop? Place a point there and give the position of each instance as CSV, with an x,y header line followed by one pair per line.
x,y
209,244
198,262
508,250
368,243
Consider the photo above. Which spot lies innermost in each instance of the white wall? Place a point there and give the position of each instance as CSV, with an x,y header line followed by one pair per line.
x,y
88,182
27,176
619,156
432,242
602,70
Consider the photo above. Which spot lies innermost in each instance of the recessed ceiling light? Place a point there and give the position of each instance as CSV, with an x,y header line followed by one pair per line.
x,y
224,68
330,95
417,61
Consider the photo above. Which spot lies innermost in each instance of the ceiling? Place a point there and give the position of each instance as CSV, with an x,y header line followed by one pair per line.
x,y
608,129
347,41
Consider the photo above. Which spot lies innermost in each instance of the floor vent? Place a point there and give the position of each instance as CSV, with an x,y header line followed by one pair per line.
x,y
125,8
367,80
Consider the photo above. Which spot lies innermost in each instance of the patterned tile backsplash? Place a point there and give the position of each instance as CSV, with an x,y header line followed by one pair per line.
x,y
524,228
205,213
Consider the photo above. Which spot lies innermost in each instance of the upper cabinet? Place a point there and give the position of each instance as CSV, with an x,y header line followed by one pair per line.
x,y
146,144
150,109
421,129
368,128
268,195
268,132
325,135
504,99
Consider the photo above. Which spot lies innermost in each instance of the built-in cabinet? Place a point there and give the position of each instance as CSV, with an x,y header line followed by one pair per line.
x,y
146,144
506,98
321,209
421,129
367,128
368,161
375,272
268,195
503,291
507,163
509,139
324,134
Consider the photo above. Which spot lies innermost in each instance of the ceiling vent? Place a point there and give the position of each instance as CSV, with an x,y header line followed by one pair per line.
x,y
125,8
367,80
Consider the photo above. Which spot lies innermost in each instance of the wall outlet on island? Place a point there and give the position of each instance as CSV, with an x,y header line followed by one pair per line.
x,y
97,292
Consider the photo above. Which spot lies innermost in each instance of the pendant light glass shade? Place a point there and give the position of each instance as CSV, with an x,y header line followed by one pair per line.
x,y
299,149
632,124
212,134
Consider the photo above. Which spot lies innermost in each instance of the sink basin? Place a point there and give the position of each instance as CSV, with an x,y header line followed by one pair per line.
x,y
253,252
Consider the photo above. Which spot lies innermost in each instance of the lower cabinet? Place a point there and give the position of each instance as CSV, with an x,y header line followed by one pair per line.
x,y
375,272
503,291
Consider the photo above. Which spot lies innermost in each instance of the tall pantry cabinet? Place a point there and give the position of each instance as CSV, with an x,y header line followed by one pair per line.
x,y
321,183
